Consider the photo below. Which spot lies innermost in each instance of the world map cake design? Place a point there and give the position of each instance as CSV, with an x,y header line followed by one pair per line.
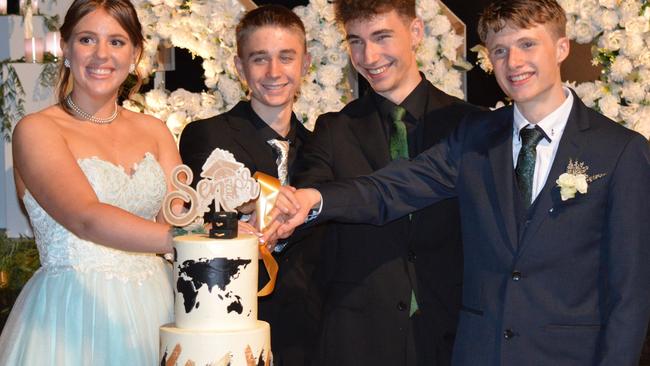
x,y
194,274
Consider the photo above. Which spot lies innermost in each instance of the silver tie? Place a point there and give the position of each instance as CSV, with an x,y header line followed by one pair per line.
x,y
282,148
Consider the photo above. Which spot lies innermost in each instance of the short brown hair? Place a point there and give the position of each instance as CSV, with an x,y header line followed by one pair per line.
x,y
268,15
522,14
348,10
123,12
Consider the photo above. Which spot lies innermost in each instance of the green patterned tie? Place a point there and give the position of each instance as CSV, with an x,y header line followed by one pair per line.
x,y
525,170
399,148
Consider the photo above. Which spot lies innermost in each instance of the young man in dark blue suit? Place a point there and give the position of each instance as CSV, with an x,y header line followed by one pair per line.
x,y
556,256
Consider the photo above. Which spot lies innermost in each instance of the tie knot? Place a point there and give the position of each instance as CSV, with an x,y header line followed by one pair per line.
x,y
530,137
398,113
281,146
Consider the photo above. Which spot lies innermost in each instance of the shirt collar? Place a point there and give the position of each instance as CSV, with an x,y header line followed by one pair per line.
x,y
552,125
266,132
414,103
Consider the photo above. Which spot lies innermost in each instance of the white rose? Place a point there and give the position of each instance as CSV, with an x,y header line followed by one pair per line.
x,y
609,106
452,83
633,46
644,76
637,25
328,13
588,92
581,183
612,40
426,9
633,92
427,52
607,19
329,75
566,180
588,9
230,91
183,99
449,45
176,121
620,68
156,99
330,37
629,9
439,25
584,31
334,56
331,98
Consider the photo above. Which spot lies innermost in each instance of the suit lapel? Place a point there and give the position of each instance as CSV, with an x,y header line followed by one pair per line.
x,y
369,132
503,188
246,137
570,148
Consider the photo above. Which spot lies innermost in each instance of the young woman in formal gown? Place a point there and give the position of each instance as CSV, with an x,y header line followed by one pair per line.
x,y
92,177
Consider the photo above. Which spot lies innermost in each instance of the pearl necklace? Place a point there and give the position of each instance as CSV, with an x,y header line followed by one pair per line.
x,y
87,116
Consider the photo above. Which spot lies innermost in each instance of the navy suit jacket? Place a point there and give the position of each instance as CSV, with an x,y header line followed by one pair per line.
x,y
562,283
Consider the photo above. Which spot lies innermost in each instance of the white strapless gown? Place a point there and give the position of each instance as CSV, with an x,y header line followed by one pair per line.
x,y
89,304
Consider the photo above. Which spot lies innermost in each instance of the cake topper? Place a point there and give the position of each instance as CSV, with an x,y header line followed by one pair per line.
x,y
226,182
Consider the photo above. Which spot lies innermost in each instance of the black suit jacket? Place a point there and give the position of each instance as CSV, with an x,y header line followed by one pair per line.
x,y
293,309
568,282
369,271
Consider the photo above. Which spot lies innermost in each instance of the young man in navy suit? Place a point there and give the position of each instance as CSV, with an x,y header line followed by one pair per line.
x,y
554,201
272,59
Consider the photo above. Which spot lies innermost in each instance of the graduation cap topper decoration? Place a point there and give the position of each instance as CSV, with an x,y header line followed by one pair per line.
x,y
225,181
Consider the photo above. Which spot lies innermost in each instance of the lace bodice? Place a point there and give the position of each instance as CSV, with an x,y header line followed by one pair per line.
x,y
140,193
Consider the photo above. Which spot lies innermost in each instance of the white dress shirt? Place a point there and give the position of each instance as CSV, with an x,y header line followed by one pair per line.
x,y
553,126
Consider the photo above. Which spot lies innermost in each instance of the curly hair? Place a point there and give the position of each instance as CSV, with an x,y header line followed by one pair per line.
x,y
522,14
349,10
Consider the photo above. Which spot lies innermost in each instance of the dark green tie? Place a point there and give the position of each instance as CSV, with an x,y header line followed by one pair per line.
x,y
399,147
525,170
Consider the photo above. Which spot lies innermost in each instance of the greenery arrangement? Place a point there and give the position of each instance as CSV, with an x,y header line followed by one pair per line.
x,y
18,262
12,98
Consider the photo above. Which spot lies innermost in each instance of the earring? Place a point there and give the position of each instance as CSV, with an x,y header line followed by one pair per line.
x,y
131,68
66,63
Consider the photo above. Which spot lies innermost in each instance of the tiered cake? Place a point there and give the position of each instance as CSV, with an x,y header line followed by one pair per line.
x,y
215,305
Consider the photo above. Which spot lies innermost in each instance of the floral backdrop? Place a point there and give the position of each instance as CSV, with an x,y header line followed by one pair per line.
x,y
206,29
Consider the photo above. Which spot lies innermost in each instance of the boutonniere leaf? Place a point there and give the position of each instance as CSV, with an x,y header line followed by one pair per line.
x,y
575,180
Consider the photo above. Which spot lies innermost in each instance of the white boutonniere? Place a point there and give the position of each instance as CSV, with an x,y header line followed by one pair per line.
x,y
575,180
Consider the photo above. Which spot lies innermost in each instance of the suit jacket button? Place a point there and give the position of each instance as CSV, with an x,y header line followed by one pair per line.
x,y
508,334
401,306
516,275
412,257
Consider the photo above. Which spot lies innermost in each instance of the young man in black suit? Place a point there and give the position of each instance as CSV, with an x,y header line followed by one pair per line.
x,y
271,59
556,256
398,305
